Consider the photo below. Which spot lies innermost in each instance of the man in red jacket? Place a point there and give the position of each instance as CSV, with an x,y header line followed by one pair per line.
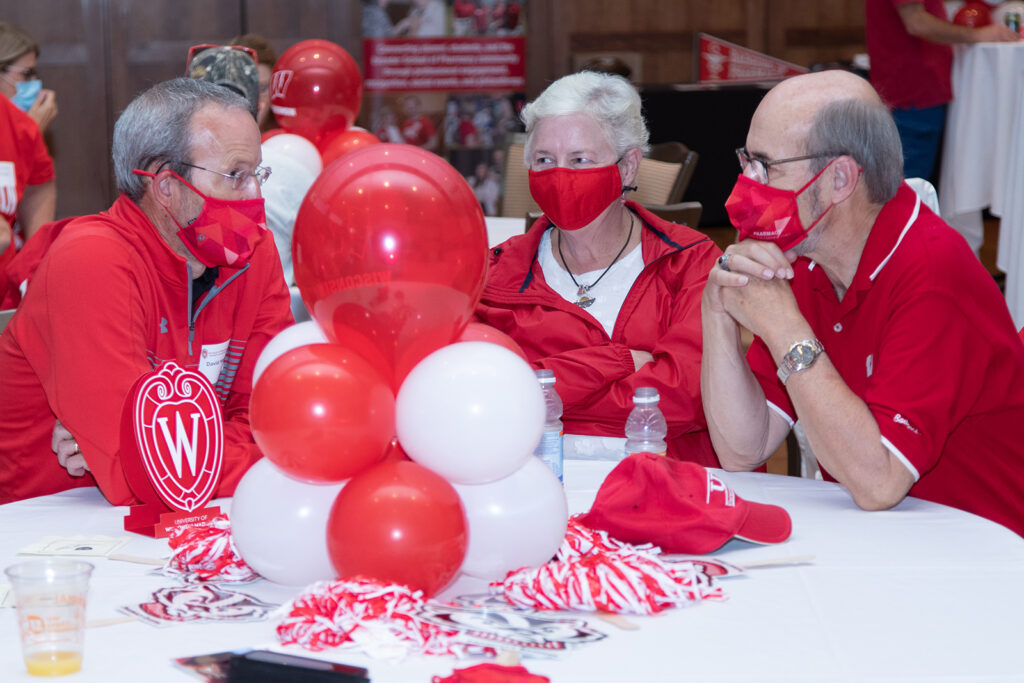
x,y
179,268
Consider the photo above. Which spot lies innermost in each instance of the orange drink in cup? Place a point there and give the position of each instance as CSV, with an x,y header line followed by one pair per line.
x,y
49,596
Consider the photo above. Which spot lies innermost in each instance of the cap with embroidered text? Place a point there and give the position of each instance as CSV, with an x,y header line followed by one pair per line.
x,y
681,507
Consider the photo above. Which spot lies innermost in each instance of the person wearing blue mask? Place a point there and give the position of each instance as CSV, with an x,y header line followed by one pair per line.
x,y
28,189
19,81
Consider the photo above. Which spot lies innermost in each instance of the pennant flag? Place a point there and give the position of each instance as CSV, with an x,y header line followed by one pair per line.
x,y
725,62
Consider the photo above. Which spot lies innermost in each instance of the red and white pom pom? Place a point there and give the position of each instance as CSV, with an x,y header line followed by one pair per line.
x,y
595,572
207,553
580,540
380,619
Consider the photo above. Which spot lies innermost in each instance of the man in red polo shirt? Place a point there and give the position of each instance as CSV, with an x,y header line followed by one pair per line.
x,y
909,45
875,324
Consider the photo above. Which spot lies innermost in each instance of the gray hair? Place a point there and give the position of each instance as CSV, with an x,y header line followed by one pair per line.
x,y
610,100
866,132
14,43
157,127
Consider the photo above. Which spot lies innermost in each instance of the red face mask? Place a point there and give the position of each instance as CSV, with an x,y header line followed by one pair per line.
x,y
574,197
225,232
769,214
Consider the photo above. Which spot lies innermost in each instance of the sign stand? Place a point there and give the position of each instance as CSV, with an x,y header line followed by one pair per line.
x,y
172,450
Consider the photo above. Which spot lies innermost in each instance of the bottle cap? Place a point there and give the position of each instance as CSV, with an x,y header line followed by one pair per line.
x,y
545,376
645,395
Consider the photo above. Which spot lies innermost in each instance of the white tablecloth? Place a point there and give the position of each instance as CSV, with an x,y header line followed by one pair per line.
x,y
983,155
919,593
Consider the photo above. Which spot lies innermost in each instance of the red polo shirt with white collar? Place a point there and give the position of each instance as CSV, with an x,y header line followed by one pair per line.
x,y
924,338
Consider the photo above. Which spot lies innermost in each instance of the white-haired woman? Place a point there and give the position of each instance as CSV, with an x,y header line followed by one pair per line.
x,y
599,290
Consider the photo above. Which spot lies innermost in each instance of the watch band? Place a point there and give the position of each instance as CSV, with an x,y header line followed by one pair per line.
x,y
800,356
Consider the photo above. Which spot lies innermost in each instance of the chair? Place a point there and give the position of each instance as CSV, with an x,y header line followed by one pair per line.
x,y
678,153
929,197
516,201
660,180
687,213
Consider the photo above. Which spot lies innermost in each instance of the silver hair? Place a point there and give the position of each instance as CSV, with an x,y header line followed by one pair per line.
x,y
610,100
157,128
866,132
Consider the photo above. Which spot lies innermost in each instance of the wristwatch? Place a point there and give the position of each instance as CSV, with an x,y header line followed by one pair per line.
x,y
799,357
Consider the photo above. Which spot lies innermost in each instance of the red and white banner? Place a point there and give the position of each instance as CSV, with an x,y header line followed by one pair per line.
x,y
723,62
424,64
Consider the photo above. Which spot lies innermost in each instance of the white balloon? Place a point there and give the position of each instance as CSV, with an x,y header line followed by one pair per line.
x,y
282,195
473,412
287,339
279,525
296,147
518,521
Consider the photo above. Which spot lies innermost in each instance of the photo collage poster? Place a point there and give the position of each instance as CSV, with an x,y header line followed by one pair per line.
x,y
448,76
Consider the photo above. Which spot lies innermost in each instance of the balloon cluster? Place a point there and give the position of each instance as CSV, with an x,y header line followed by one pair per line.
x,y
394,449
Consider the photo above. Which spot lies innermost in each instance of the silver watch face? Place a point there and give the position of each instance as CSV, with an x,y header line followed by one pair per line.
x,y
802,355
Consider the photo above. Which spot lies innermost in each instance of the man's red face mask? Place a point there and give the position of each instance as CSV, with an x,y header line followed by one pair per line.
x,y
769,214
225,232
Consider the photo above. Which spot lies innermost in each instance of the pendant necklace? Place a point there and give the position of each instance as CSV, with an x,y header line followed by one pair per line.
x,y
582,299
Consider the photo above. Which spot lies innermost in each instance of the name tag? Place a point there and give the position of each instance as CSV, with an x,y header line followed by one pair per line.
x,y
8,189
211,360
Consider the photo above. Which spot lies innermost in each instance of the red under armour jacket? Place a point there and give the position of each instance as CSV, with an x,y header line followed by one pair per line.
x,y
111,301
595,375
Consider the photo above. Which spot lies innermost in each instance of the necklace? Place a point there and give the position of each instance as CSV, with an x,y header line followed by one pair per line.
x,y
582,300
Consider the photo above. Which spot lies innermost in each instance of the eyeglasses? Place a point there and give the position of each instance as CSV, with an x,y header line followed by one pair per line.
x,y
761,166
238,178
28,73
196,49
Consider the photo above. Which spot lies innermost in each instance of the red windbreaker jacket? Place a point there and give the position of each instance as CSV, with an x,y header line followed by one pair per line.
x,y
111,301
594,374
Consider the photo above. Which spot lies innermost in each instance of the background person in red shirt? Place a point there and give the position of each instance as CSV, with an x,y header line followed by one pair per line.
x,y
875,324
908,42
28,188
417,128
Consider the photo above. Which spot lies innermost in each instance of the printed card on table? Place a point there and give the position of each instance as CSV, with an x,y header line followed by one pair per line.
x,y
87,546
490,621
198,603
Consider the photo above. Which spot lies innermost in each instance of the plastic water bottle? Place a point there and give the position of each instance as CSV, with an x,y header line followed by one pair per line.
x,y
550,447
646,428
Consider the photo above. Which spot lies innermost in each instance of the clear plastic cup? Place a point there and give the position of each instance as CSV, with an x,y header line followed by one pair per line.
x,y
49,596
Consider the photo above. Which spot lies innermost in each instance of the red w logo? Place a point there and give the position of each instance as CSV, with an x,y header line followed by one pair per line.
x,y
180,434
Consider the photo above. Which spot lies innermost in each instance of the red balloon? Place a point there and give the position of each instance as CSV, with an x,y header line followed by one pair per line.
x,y
974,13
480,332
398,522
340,143
321,413
316,88
390,251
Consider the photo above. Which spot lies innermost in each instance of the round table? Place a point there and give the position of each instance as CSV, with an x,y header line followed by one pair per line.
x,y
919,593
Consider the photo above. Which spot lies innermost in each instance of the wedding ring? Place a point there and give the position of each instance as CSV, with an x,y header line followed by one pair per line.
x,y
77,449
723,262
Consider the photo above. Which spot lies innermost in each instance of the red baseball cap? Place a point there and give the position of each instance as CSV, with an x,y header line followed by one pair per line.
x,y
681,507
